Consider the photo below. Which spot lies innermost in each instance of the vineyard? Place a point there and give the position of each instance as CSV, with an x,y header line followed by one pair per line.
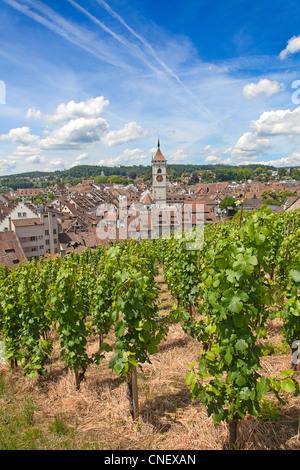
x,y
99,317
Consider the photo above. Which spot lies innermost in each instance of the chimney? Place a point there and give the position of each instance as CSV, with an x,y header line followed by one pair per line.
x,y
9,224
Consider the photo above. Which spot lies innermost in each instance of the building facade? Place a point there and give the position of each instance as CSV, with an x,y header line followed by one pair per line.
x,y
37,231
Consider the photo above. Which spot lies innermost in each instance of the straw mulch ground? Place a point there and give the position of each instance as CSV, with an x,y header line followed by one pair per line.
x,y
97,416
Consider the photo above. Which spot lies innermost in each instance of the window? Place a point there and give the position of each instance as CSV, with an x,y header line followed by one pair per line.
x,y
24,214
41,237
41,247
46,232
19,214
16,261
54,231
47,242
33,239
10,250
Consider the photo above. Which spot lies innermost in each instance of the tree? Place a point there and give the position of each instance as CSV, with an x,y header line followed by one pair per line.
x,y
295,173
228,201
101,179
50,196
147,176
259,170
132,175
194,178
207,176
40,200
284,194
282,172
268,196
115,179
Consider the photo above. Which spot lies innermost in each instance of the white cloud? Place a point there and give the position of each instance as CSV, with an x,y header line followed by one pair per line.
x,y
270,124
76,134
73,126
29,153
82,156
290,160
127,157
79,159
211,159
20,135
214,159
7,165
264,86
26,151
55,164
80,126
36,159
27,145
250,145
293,46
91,108
130,131
178,156
278,122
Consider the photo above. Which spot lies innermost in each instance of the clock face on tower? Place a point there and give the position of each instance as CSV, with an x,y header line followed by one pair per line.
x,y
159,178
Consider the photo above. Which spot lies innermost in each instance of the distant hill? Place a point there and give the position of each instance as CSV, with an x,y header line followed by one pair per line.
x,y
209,173
83,171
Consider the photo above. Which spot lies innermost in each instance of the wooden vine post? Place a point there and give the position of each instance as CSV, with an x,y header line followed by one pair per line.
x,y
233,432
295,354
132,393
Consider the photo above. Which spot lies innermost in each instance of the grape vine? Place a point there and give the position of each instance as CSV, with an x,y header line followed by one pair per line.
x,y
246,272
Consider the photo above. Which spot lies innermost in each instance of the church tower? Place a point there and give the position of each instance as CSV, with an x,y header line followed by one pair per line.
x,y
159,177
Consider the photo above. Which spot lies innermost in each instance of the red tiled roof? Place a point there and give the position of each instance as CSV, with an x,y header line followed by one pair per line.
x,y
159,157
26,222
29,192
11,252
147,199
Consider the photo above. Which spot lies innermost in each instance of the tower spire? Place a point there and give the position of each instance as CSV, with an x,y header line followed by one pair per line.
x,y
158,143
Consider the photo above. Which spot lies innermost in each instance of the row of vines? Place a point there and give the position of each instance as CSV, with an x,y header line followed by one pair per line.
x,y
246,272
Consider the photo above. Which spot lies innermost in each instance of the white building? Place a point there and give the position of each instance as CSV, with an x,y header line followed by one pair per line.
x,y
19,212
30,233
36,231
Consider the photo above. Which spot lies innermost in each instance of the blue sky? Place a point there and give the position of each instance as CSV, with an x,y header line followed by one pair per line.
x,y
97,81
